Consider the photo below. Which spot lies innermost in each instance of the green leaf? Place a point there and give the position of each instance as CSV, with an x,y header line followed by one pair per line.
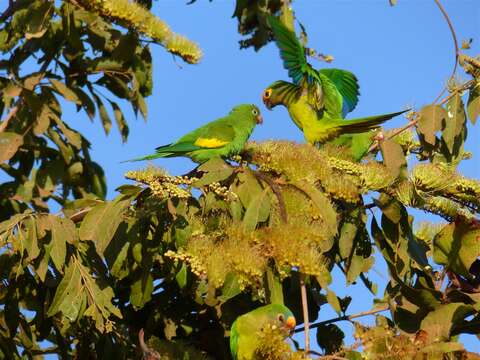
x,y
326,211
230,288
141,290
473,104
355,267
455,122
457,246
58,243
9,144
31,241
140,104
333,301
87,104
257,211
121,122
438,323
181,276
41,268
68,294
330,338
102,221
274,289
348,231
393,157
65,91
117,250
73,137
247,187
42,121
104,117
432,118
214,170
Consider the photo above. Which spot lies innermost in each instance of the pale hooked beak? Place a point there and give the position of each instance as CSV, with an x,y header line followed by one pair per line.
x,y
259,119
291,323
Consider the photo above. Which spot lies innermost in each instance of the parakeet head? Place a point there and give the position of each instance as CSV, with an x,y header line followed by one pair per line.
x,y
279,93
284,317
250,110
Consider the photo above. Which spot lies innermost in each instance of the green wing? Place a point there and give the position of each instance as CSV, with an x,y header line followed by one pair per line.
x,y
347,84
292,52
332,99
234,340
210,136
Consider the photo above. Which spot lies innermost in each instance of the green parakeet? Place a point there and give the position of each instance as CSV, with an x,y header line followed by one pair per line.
x,y
244,338
223,137
317,101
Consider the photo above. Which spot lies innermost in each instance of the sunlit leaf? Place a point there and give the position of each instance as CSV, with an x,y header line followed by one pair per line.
x,y
432,119
473,105
9,144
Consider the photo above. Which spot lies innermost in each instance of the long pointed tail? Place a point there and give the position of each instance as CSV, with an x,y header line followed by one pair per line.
x,y
148,157
361,125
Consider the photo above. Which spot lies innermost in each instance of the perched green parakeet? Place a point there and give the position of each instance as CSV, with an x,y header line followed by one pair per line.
x,y
244,339
223,137
317,101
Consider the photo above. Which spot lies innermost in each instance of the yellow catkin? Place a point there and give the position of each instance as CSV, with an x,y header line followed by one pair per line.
x,y
142,20
162,184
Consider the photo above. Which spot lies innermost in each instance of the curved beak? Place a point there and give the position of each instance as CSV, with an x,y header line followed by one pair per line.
x,y
267,103
259,119
291,323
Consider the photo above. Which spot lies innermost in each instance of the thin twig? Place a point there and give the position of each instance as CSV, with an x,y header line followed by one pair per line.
x,y
455,41
306,321
395,133
344,318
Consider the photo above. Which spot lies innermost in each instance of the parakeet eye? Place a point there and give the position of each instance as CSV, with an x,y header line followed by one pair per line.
x,y
280,318
255,112
267,93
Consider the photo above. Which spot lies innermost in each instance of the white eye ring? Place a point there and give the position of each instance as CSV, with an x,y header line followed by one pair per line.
x,y
255,112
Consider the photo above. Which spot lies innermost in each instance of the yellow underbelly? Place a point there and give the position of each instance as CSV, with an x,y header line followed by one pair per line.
x,y
305,117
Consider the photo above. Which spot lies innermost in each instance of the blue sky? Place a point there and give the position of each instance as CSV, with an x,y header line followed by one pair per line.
x,y
402,56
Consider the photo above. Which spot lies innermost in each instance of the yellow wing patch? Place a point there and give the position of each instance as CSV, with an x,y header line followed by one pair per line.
x,y
210,142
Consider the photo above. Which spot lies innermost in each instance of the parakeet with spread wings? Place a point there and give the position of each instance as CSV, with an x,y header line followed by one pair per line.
x,y
317,100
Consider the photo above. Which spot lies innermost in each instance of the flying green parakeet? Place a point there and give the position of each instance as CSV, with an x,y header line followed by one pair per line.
x,y
244,339
223,137
317,101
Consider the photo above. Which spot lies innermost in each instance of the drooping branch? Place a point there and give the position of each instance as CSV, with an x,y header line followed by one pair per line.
x,y
344,318
455,41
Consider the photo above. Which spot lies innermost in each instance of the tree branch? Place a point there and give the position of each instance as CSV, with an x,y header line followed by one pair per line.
x,y
455,41
344,318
